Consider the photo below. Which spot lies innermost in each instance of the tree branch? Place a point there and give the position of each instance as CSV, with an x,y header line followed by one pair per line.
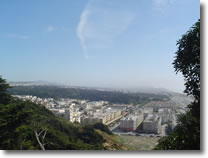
x,y
37,138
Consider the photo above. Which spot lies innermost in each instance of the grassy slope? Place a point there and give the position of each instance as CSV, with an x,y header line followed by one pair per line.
x,y
139,142
115,142
112,142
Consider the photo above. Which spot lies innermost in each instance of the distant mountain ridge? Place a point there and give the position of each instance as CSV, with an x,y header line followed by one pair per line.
x,y
31,83
124,90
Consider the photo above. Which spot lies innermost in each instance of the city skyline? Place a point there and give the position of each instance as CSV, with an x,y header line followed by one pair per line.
x,y
95,43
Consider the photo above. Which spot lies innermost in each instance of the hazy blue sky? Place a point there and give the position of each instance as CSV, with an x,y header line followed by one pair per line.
x,y
105,43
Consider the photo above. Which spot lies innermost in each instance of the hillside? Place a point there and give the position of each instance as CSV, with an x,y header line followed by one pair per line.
x,y
19,121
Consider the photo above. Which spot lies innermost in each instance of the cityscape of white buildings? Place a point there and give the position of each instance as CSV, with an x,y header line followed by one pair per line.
x,y
146,119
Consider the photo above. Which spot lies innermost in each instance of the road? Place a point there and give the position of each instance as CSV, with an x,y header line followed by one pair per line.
x,y
113,120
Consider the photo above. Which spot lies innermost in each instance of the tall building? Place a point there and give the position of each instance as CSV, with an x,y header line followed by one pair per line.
x,y
130,123
166,115
152,124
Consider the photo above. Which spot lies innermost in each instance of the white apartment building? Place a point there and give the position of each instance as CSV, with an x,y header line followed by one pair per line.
x,y
152,124
131,123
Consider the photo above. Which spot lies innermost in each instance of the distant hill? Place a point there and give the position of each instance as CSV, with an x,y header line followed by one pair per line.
x,y
32,83
124,90
51,91
134,96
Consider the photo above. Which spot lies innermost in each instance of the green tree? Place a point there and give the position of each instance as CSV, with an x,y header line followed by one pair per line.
x,y
186,135
4,96
187,60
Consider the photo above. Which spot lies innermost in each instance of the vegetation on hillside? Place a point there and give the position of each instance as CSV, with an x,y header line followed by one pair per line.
x,y
186,135
102,127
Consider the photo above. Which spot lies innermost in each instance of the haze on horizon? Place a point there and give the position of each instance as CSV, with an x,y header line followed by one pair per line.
x,y
95,43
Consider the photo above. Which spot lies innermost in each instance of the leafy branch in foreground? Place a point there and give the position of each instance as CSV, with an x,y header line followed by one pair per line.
x,y
186,135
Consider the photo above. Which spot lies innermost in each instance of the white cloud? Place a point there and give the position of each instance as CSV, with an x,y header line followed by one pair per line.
x,y
101,23
80,31
18,36
160,4
50,29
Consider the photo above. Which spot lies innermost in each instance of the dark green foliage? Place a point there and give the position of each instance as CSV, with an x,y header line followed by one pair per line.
x,y
19,120
91,95
89,136
102,127
187,60
186,135
4,95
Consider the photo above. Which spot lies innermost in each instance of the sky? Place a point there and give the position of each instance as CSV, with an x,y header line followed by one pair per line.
x,y
94,43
